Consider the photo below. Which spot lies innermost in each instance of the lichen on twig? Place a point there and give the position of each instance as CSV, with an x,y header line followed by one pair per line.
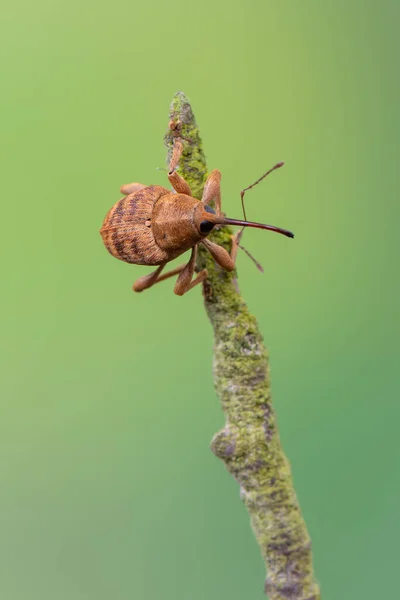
x,y
249,443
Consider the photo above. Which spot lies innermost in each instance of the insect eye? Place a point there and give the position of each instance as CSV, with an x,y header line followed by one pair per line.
x,y
206,226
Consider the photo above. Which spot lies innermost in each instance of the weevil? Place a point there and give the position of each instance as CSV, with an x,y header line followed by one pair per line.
x,y
151,225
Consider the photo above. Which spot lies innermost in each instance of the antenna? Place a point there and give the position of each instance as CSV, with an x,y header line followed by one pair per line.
x,y
226,221
242,193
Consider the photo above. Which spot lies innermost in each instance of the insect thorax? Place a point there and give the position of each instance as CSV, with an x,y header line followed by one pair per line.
x,y
173,223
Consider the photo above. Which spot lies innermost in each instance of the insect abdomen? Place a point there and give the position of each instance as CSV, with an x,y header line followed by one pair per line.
x,y
126,229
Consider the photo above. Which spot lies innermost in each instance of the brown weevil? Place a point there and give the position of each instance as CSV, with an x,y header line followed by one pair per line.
x,y
152,225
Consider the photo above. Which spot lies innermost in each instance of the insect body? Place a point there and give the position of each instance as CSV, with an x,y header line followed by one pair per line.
x,y
152,225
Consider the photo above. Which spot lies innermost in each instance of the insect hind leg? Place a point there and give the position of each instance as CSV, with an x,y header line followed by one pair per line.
x,y
130,188
147,281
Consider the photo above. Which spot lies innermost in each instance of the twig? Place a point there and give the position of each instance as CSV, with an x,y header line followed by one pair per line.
x,y
249,443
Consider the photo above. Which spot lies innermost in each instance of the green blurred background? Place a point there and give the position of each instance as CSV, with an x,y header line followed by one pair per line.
x,y
108,486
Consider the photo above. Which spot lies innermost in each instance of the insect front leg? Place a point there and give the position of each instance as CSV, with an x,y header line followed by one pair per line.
x,y
177,150
177,182
212,190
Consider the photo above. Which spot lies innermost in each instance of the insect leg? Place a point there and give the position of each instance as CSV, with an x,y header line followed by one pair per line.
x,y
200,277
176,155
220,255
130,188
184,282
143,283
212,190
179,184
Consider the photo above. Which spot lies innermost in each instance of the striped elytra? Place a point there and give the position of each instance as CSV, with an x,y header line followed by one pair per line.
x,y
126,229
